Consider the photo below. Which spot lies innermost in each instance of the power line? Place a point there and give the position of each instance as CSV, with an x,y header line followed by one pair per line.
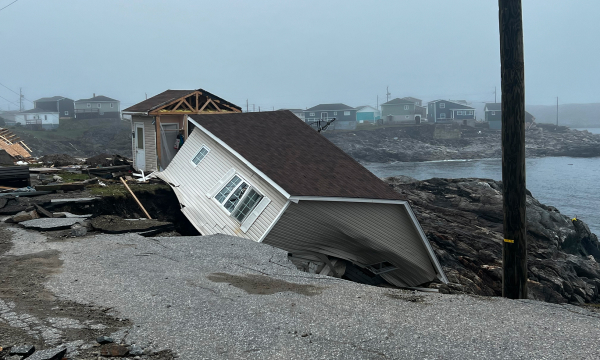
x,y
9,5
9,88
9,101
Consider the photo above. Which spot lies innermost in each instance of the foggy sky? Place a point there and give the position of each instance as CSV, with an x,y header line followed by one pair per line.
x,y
286,54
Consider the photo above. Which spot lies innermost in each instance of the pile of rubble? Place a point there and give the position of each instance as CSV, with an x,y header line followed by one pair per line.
x,y
104,346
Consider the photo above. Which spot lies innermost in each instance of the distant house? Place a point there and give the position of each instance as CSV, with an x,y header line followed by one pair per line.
x,y
97,107
65,107
405,110
38,119
298,112
267,177
446,112
367,113
9,116
493,115
345,116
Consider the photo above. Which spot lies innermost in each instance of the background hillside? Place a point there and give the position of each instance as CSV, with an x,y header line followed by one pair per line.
x,y
572,115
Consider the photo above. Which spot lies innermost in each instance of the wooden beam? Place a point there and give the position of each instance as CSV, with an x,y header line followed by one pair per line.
x,y
178,104
215,105
204,106
197,105
136,199
158,141
188,105
185,128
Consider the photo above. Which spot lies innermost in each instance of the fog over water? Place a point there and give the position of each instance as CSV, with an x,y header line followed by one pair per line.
x,y
292,54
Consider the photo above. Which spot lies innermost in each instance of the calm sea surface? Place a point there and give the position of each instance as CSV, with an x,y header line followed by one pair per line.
x,y
570,184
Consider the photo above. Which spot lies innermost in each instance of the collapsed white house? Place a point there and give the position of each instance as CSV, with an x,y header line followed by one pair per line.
x,y
269,177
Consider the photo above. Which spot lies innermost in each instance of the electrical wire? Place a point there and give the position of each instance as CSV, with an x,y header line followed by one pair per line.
x,y
8,5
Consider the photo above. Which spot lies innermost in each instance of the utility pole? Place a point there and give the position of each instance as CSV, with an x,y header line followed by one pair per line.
x,y
377,102
495,95
514,254
557,111
246,105
253,108
387,93
20,99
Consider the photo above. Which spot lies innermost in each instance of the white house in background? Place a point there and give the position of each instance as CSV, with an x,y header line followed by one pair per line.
x,y
38,119
298,112
269,177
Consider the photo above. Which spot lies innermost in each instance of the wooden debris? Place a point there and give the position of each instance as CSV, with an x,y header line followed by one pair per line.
x,y
136,199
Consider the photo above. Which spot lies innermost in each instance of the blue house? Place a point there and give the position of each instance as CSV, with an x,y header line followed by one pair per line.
x,y
367,113
493,115
345,116
446,112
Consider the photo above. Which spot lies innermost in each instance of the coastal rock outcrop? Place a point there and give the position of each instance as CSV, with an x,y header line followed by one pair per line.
x,y
463,220
427,143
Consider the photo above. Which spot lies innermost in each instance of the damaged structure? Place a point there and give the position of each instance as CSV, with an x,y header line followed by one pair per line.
x,y
269,177
159,125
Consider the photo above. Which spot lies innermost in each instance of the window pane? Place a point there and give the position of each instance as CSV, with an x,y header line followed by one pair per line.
x,y
140,137
247,205
200,155
222,195
235,197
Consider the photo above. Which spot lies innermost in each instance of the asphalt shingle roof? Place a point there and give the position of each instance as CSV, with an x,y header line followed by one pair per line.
x,y
168,96
330,107
294,155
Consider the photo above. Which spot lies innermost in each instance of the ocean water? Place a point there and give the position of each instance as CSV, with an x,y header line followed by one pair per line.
x,y
570,184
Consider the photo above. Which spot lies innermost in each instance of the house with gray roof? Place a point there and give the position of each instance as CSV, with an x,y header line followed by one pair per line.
x,y
402,111
98,107
270,178
493,115
65,107
345,116
38,119
450,112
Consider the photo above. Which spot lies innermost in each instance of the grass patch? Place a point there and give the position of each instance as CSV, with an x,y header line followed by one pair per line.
x,y
119,191
72,177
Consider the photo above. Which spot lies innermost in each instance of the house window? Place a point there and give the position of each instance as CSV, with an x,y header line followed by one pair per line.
x,y
442,115
406,117
346,113
89,105
45,117
238,198
461,112
470,112
66,113
112,105
493,113
200,155
312,114
406,107
442,105
99,105
334,113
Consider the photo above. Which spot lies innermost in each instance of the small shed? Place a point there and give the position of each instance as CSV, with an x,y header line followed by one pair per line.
x,y
159,124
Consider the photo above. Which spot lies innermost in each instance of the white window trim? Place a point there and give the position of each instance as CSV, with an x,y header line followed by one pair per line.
x,y
334,113
204,157
89,105
346,113
250,187
66,113
442,105
99,105
112,105
406,107
311,114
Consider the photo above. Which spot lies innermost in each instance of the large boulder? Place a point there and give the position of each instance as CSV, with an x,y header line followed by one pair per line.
x,y
463,220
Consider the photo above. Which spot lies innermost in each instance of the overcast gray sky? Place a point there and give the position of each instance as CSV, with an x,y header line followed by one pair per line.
x,y
293,53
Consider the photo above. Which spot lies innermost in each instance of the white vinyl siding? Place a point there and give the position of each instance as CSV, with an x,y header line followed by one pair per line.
x,y
149,142
196,188
349,228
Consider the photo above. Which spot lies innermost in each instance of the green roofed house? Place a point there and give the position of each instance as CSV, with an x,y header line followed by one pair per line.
x,y
493,115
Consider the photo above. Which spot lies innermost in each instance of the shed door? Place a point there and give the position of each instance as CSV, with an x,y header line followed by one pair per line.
x,y
140,147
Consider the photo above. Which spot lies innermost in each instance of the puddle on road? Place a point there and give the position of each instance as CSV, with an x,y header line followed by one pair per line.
x,y
264,285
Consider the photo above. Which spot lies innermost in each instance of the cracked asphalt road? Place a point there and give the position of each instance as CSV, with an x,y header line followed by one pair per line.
x,y
220,297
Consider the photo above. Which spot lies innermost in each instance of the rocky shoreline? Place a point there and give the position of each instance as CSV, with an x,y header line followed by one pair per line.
x,y
446,142
463,220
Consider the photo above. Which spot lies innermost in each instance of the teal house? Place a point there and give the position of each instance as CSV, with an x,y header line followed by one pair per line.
x,y
493,115
367,113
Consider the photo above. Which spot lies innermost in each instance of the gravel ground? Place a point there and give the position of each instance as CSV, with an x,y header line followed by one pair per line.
x,y
221,297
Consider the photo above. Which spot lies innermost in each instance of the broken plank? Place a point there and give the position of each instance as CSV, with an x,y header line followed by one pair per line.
x,y
136,199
